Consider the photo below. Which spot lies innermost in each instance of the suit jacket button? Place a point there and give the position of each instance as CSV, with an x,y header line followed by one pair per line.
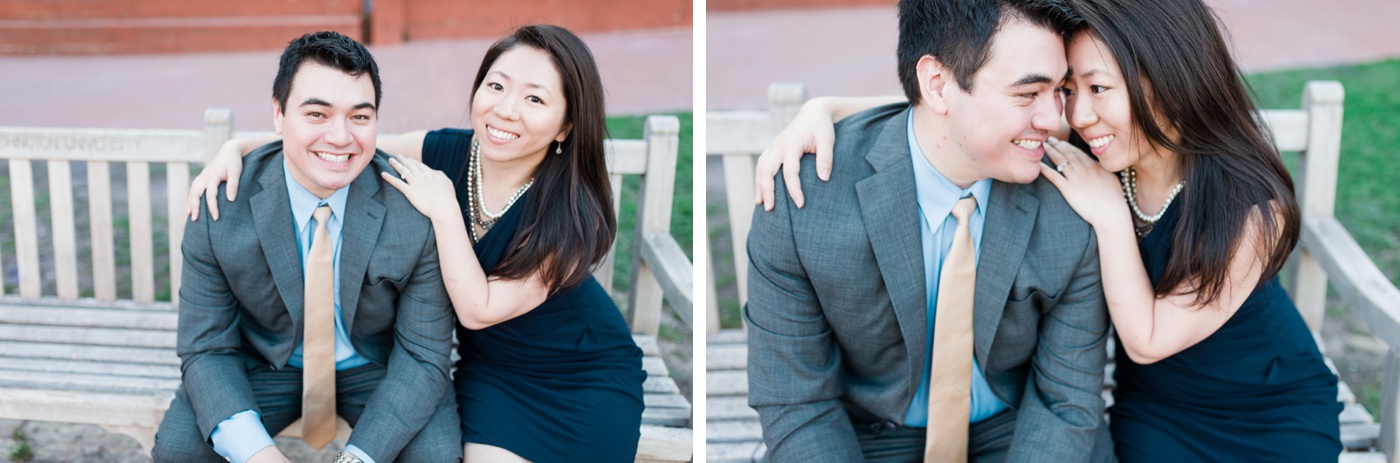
x,y
877,428
893,426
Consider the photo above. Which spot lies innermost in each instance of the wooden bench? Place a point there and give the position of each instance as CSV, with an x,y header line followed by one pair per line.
x,y
1327,253
102,358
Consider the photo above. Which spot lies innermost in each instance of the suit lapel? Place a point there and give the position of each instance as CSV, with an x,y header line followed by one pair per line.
x,y
889,207
1005,234
272,218
364,216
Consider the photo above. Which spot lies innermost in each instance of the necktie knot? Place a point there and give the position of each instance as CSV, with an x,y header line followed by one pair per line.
x,y
964,209
321,214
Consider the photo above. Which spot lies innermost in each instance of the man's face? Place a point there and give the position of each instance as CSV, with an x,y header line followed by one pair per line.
x,y
999,127
328,128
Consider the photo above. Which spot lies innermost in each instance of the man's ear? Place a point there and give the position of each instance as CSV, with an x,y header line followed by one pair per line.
x,y
934,81
277,116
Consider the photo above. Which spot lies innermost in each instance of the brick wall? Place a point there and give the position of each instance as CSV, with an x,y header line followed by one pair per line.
x,y
37,27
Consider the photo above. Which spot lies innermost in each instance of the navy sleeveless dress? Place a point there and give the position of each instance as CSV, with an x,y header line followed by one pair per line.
x,y
1255,390
562,383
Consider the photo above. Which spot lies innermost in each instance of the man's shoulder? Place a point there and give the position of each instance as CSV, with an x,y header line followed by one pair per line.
x,y
400,215
866,125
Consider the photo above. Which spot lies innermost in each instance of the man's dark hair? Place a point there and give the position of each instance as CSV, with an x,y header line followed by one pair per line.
x,y
327,48
959,33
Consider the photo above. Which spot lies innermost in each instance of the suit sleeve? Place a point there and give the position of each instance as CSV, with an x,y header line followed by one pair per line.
x,y
418,371
208,339
794,363
1061,412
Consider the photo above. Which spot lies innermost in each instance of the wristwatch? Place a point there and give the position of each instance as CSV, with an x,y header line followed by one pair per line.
x,y
347,457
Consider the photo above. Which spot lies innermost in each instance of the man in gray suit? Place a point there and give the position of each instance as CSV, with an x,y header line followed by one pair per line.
x,y
242,301
843,292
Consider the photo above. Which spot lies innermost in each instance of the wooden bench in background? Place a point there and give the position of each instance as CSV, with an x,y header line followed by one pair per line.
x,y
1326,253
109,360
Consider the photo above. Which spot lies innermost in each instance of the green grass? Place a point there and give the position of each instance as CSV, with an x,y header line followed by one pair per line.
x,y
22,452
1368,176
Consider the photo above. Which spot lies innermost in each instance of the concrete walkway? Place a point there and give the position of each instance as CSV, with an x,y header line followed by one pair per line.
x,y
426,84
850,51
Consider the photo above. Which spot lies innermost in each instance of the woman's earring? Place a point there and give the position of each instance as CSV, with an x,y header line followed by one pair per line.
x,y
559,148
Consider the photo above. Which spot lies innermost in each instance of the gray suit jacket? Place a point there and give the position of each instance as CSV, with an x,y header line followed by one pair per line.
x,y
837,307
241,301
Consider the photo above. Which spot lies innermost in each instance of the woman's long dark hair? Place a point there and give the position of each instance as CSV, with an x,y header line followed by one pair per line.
x,y
568,225
1179,71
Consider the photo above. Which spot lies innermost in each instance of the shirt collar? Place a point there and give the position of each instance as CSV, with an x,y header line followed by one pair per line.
x,y
937,195
304,202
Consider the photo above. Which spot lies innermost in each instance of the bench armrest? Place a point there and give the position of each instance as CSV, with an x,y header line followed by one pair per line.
x,y
672,270
1356,278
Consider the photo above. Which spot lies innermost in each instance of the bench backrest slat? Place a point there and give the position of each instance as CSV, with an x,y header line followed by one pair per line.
x,y
138,194
104,262
64,243
26,226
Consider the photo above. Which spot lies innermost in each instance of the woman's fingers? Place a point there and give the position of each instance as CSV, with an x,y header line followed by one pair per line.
x,y
792,166
1055,177
192,198
1056,156
232,189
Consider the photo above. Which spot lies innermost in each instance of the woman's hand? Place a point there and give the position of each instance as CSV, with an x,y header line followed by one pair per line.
x,y
1094,192
429,190
811,131
225,167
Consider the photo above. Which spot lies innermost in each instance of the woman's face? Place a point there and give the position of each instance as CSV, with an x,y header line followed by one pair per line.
x,y
518,112
1097,104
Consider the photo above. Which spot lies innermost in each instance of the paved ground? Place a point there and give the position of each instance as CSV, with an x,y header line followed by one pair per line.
x,y
851,51
426,84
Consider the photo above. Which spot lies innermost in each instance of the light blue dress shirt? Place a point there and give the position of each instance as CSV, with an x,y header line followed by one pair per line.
x,y
937,195
243,434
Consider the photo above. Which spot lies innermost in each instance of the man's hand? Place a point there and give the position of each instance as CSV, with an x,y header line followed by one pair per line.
x,y
269,454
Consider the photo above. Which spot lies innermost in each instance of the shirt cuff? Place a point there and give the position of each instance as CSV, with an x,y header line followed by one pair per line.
x,y
240,436
353,450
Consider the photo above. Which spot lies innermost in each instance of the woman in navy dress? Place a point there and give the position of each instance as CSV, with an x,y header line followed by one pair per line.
x,y
549,371
522,210
1214,361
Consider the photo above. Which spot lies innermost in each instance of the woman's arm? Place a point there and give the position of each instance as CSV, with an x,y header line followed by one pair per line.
x,y
811,131
227,165
480,301
1150,328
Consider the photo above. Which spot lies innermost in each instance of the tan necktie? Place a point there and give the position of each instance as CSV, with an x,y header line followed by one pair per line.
x,y
318,345
950,371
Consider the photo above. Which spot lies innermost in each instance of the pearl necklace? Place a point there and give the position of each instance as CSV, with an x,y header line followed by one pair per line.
x,y
1129,178
476,201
